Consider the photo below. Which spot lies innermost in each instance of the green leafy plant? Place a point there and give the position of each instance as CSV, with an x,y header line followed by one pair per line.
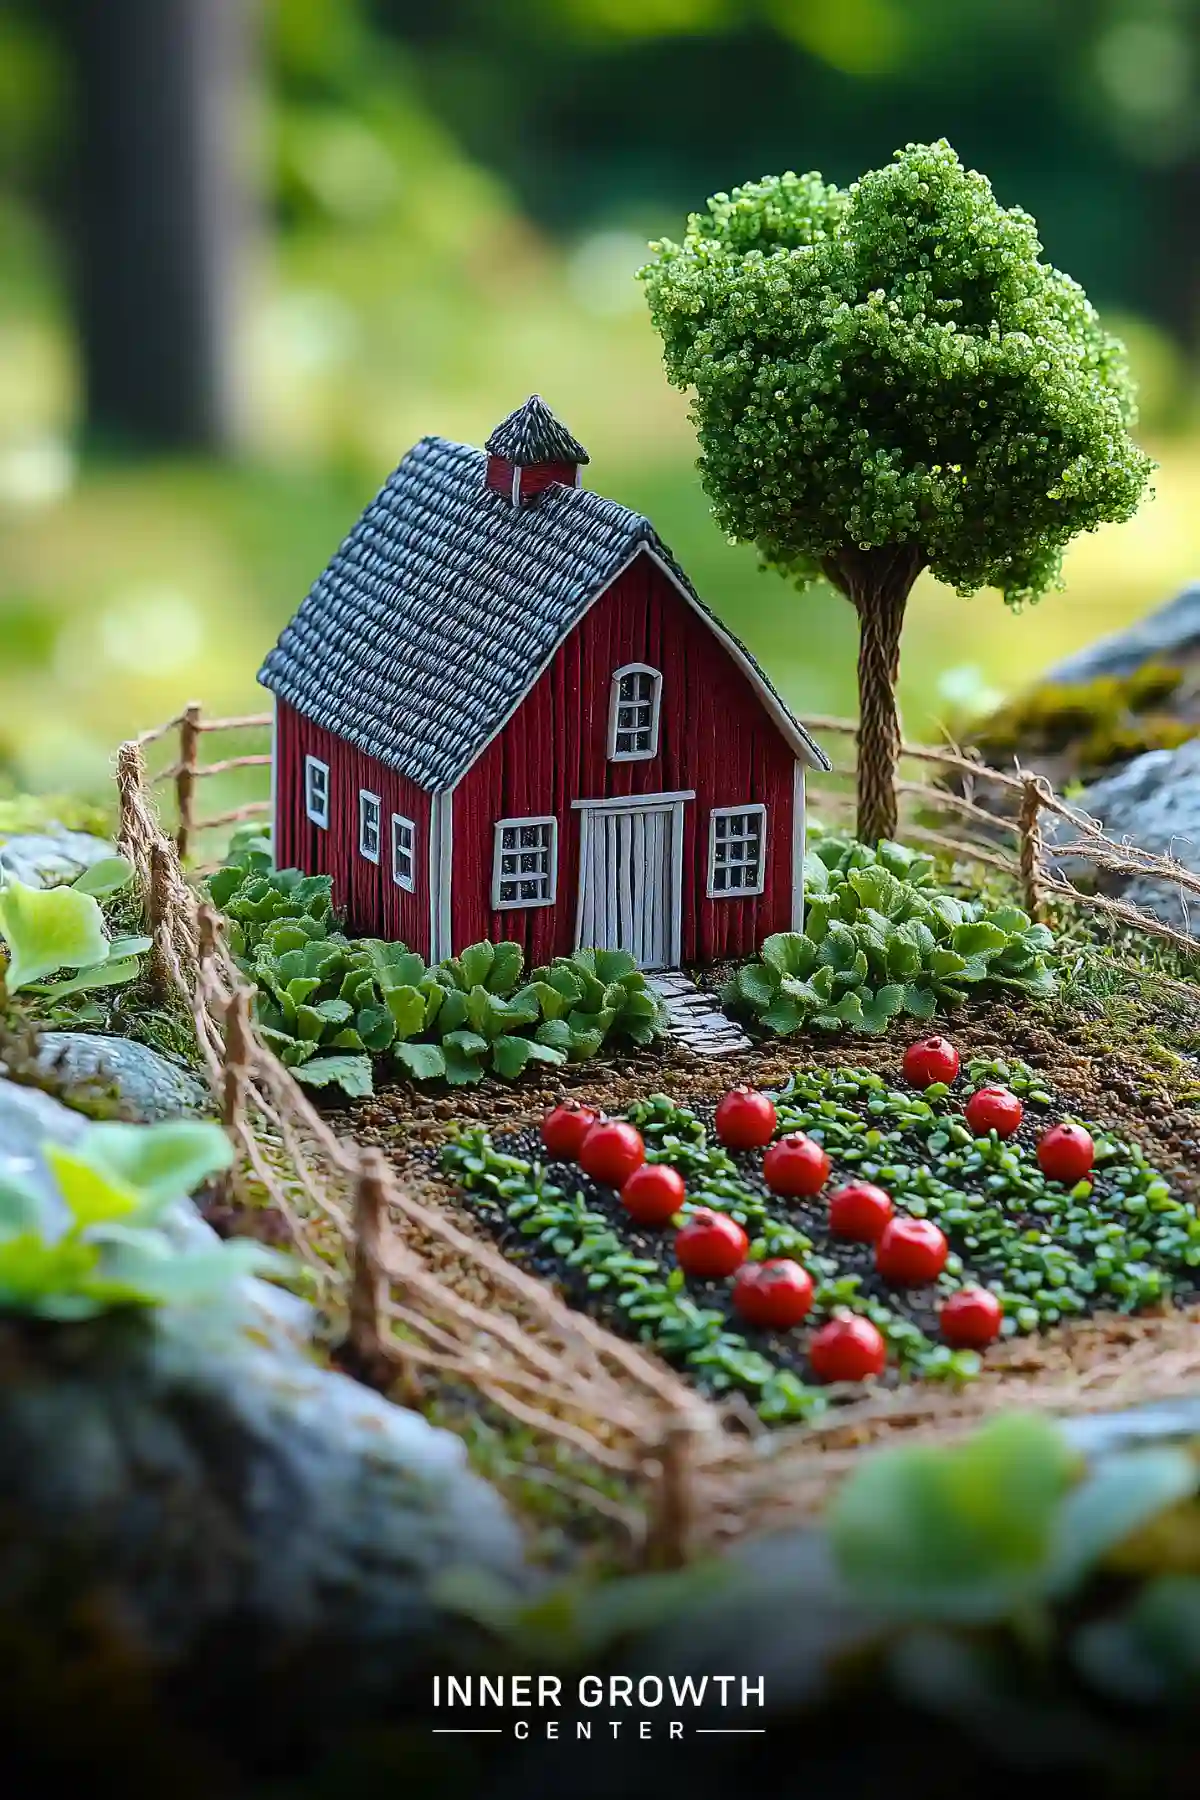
x,y
329,1005
878,945
889,378
103,1245
50,929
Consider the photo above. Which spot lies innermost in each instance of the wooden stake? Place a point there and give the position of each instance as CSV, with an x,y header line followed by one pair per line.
x,y
671,1528
237,1058
1033,871
185,775
367,1281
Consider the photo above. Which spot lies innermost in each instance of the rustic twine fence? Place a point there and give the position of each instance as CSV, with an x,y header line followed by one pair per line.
x,y
416,1297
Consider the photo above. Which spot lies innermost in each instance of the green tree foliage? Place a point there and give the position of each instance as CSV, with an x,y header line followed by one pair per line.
x,y
889,378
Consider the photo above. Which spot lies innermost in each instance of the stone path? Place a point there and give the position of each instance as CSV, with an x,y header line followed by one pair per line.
x,y
694,1018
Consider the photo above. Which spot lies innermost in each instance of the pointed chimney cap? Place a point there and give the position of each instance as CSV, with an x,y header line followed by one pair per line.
x,y
532,434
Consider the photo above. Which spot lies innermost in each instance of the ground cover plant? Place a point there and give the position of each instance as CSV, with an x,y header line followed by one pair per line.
x,y
1043,1250
882,942
63,931
331,1006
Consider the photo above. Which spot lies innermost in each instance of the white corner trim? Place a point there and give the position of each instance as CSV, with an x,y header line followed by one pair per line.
x,y
798,829
370,805
442,809
316,791
503,825
614,713
712,892
408,886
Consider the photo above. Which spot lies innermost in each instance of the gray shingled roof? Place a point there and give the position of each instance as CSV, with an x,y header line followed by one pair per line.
x,y
533,434
445,603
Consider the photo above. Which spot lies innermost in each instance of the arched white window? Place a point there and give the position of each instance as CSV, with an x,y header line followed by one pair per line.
x,y
633,713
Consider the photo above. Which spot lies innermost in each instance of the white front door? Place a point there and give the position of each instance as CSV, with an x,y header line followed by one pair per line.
x,y
631,877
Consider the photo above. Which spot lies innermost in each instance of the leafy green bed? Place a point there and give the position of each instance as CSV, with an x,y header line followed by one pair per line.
x,y
331,1006
1121,1240
881,941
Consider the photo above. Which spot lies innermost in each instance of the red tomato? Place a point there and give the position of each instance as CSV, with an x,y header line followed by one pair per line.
x,y
1066,1153
775,1294
911,1252
860,1211
711,1245
796,1165
847,1349
933,1059
971,1319
611,1151
994,1109
653,1194
564,1129
745,1119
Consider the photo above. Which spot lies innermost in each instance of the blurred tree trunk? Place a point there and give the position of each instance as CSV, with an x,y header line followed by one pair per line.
x,y
167,215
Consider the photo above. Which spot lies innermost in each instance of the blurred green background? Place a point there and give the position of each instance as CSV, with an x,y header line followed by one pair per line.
x,y
443,204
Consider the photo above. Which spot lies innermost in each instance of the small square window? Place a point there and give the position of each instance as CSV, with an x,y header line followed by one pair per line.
x,y
736,851
525,863
370,810
634,713
316,791
404,853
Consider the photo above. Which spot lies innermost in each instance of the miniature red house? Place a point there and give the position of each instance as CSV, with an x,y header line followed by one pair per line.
x,y
504,712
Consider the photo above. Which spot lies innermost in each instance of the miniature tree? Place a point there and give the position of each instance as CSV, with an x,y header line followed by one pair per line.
x,y
888,378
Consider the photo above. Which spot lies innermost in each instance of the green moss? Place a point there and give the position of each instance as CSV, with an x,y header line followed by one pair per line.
x,y
1106,721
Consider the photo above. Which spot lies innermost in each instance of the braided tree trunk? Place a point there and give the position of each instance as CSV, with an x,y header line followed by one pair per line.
x,y
877,583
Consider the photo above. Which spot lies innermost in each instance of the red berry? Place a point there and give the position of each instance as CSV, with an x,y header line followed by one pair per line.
x,y
994,1109
611,1151
860,1211
1066,1153
971,1319
847,1349
911,1252
932,1059
775,1295
795,1166
653,1194
745,1119
564,1129
711,1245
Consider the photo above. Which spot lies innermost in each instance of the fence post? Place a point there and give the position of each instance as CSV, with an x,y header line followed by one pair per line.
x,y
159,901
185,775
237,1058
131,799
1032,862
671,1525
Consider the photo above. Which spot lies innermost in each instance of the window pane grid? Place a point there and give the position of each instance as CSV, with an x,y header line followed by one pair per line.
x,y
404,836
633,726
736,860
316,790
524,869
369,810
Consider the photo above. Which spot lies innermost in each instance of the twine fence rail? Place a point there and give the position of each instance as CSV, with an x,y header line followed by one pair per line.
x,y
418,1298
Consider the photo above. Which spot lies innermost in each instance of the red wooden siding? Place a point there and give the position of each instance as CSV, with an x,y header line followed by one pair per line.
x,y
714,736
374,905
534,479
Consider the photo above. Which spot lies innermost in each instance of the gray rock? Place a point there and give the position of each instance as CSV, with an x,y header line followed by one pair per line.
x,y
1170,634
229,1512
1154,802
148,1082
49,858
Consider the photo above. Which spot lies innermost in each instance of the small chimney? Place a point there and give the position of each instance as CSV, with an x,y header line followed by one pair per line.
x,y
530,451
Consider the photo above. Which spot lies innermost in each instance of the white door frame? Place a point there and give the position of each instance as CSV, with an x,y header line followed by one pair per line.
x,y
672,803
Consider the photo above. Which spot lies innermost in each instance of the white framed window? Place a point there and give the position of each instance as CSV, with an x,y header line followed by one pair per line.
x,y
404,852
370,812
316,791
525,863
737,851
633,711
